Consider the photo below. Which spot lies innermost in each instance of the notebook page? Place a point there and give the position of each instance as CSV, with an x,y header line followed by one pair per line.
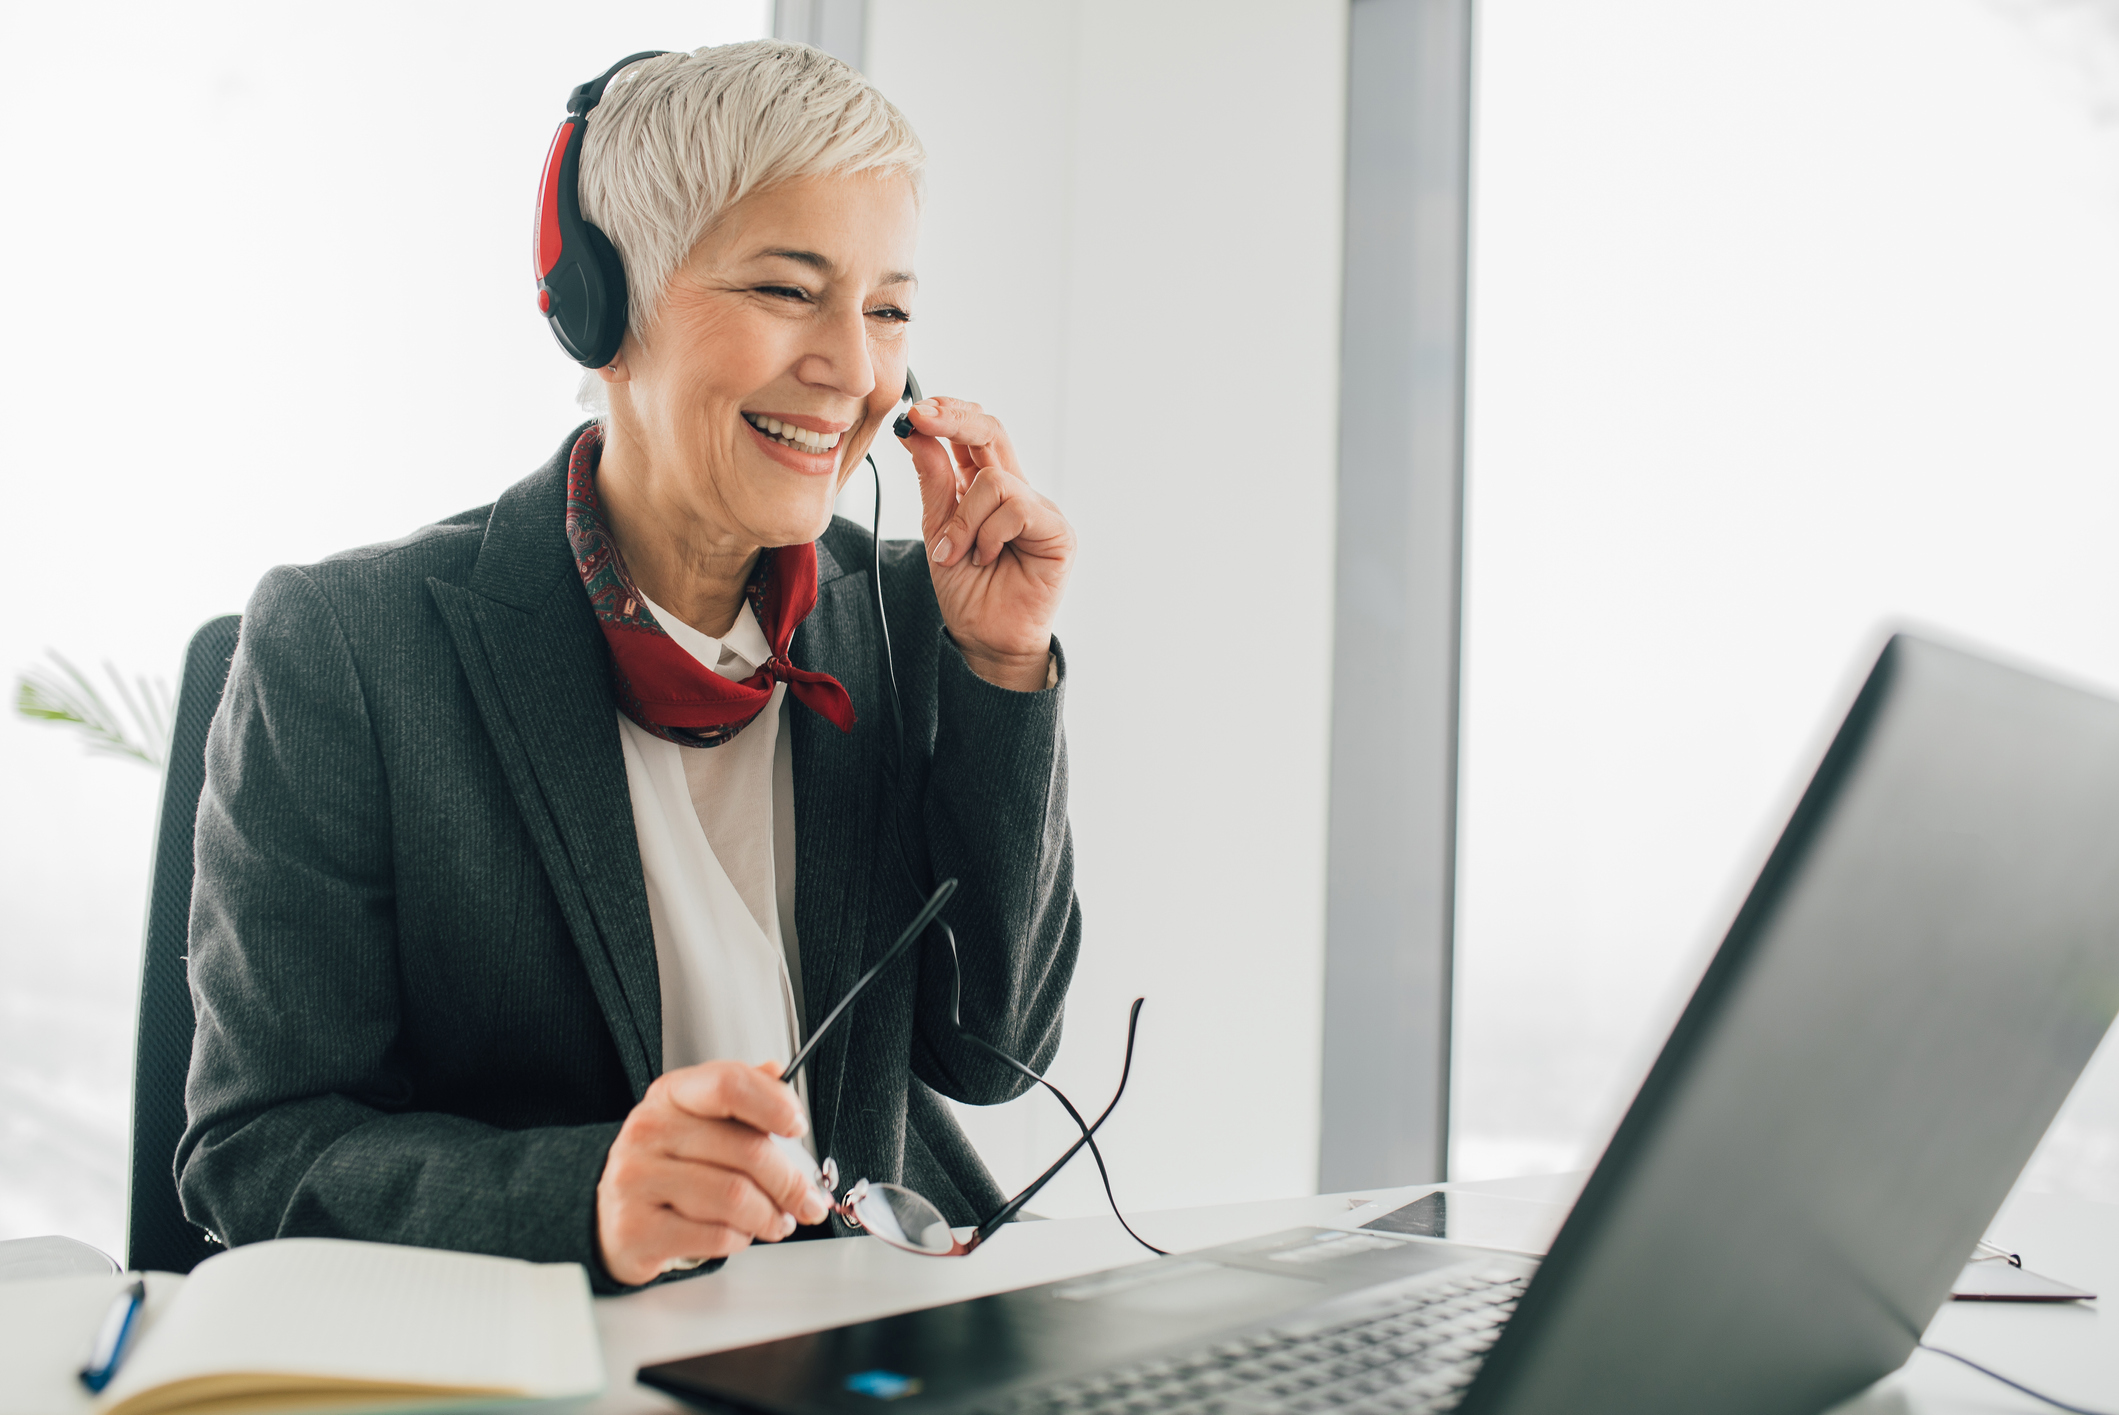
x,y
376,1312
48,1324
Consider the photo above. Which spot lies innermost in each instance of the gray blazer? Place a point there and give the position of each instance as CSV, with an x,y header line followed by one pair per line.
x,y
420,951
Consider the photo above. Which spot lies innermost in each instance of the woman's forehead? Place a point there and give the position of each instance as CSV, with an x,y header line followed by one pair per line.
x,y
838,226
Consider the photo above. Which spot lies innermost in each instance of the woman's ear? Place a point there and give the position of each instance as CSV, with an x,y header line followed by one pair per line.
x,y
618,370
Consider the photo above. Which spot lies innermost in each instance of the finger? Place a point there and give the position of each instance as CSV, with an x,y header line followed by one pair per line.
x,y
707,1193
665,1239
717,1090
655,1169
991,536
976,437
957,536
638,1238
940,485
733,1146
803,1193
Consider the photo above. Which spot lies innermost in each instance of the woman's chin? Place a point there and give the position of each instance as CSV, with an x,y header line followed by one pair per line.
x,y
791,525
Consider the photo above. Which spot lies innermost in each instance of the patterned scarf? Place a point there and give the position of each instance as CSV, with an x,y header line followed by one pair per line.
x,y
660,685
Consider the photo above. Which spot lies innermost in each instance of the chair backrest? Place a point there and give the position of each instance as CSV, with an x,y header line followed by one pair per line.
x,y
157,1235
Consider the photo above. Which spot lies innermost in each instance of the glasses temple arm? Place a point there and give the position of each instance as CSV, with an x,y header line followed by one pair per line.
x,y
913,930
1009,1210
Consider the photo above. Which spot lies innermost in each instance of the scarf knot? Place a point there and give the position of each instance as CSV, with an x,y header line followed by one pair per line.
x,y
657,682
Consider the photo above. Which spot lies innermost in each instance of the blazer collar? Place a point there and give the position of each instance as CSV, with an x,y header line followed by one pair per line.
x,y
535,660
525,555
828,567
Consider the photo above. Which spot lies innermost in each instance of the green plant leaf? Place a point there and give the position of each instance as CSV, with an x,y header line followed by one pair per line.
x,y
62,693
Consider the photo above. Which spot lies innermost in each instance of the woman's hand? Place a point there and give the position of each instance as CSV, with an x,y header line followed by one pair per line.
x,y
694,1173
999,552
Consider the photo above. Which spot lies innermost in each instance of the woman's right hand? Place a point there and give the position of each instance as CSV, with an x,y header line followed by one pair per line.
x,y
694,1173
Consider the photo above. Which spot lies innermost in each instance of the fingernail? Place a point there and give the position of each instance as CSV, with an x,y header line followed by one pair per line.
x,y
816,1211
927,409
787,1224
941,551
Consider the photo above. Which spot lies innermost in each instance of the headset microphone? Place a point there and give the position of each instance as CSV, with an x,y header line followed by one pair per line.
x,y
580,280
903,426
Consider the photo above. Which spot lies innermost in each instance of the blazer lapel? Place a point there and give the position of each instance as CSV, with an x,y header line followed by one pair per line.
x,y
836,850
538,669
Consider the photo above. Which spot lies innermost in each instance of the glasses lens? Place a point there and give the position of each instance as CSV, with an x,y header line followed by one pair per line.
x,y
903,1218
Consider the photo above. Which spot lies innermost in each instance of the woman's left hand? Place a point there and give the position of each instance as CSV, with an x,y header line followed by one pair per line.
x,y
999,553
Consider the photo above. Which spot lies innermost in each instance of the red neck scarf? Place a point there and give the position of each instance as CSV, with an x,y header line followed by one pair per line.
x,y
659,684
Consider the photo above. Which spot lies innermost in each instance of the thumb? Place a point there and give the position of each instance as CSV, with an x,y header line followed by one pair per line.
x,y
938,482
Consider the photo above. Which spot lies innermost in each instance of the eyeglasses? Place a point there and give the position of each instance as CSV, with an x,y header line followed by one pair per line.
x,y
908,1220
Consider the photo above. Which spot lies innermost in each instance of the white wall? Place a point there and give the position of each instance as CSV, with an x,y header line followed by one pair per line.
x,y
1132,256
1791,318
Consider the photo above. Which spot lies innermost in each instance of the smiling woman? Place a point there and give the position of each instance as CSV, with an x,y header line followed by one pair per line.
x,y
533,843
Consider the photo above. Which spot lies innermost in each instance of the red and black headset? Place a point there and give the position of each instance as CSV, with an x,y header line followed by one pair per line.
x,y
580,280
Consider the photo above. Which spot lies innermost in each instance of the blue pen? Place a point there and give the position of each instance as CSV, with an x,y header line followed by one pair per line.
x,y
116,1335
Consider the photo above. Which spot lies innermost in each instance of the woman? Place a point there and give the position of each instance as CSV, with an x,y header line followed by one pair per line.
x,y
533,843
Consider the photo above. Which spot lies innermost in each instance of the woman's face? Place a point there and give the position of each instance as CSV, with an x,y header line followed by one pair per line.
x,y
789,314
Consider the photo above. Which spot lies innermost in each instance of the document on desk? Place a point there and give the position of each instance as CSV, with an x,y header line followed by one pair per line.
x,y
311,1323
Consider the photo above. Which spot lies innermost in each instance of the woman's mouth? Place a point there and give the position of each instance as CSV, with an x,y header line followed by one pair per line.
x,y
790,436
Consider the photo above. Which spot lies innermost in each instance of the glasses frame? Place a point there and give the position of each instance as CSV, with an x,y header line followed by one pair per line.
x,y
828,1178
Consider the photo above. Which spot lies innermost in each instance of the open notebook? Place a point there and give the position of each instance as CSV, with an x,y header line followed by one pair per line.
x,y
321,1324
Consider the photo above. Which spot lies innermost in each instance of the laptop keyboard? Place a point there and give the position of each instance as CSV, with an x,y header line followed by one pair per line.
x,y
1409,1356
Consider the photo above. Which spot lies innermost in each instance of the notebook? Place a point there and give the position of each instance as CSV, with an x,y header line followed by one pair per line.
x,y
304,1324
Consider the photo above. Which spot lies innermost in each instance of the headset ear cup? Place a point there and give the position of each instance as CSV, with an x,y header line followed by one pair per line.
x,y
603,328
580,279
587,309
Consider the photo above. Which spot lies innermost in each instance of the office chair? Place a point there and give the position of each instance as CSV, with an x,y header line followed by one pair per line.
x,y
157,1235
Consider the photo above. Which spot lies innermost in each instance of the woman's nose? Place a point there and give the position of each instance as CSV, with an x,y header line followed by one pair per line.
x,y
838,358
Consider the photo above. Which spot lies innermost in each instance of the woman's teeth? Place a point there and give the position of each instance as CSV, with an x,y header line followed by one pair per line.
x,y
801,439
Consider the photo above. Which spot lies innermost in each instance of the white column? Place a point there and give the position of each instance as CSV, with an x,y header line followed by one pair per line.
x,y
1132,254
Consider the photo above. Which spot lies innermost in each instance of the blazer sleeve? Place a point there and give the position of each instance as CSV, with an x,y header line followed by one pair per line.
x,y
994,816
298,1098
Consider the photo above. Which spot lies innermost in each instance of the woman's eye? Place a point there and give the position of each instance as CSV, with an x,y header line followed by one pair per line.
x,y
785,292
892,313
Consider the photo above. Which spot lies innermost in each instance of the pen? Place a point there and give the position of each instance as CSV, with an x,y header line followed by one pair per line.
x,y
111,1342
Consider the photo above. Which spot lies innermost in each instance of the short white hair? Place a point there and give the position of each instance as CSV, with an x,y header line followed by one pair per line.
x,y
681,138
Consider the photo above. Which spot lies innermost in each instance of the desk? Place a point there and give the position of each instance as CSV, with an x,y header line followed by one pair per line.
x,y
773,1291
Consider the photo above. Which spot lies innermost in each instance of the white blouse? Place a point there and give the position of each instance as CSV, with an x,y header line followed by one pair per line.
x,y
717,834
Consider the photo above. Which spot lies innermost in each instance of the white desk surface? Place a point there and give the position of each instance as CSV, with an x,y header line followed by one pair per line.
x,y
2068,1350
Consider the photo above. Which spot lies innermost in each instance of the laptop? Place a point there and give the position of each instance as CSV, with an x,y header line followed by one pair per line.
x,y
1919,974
